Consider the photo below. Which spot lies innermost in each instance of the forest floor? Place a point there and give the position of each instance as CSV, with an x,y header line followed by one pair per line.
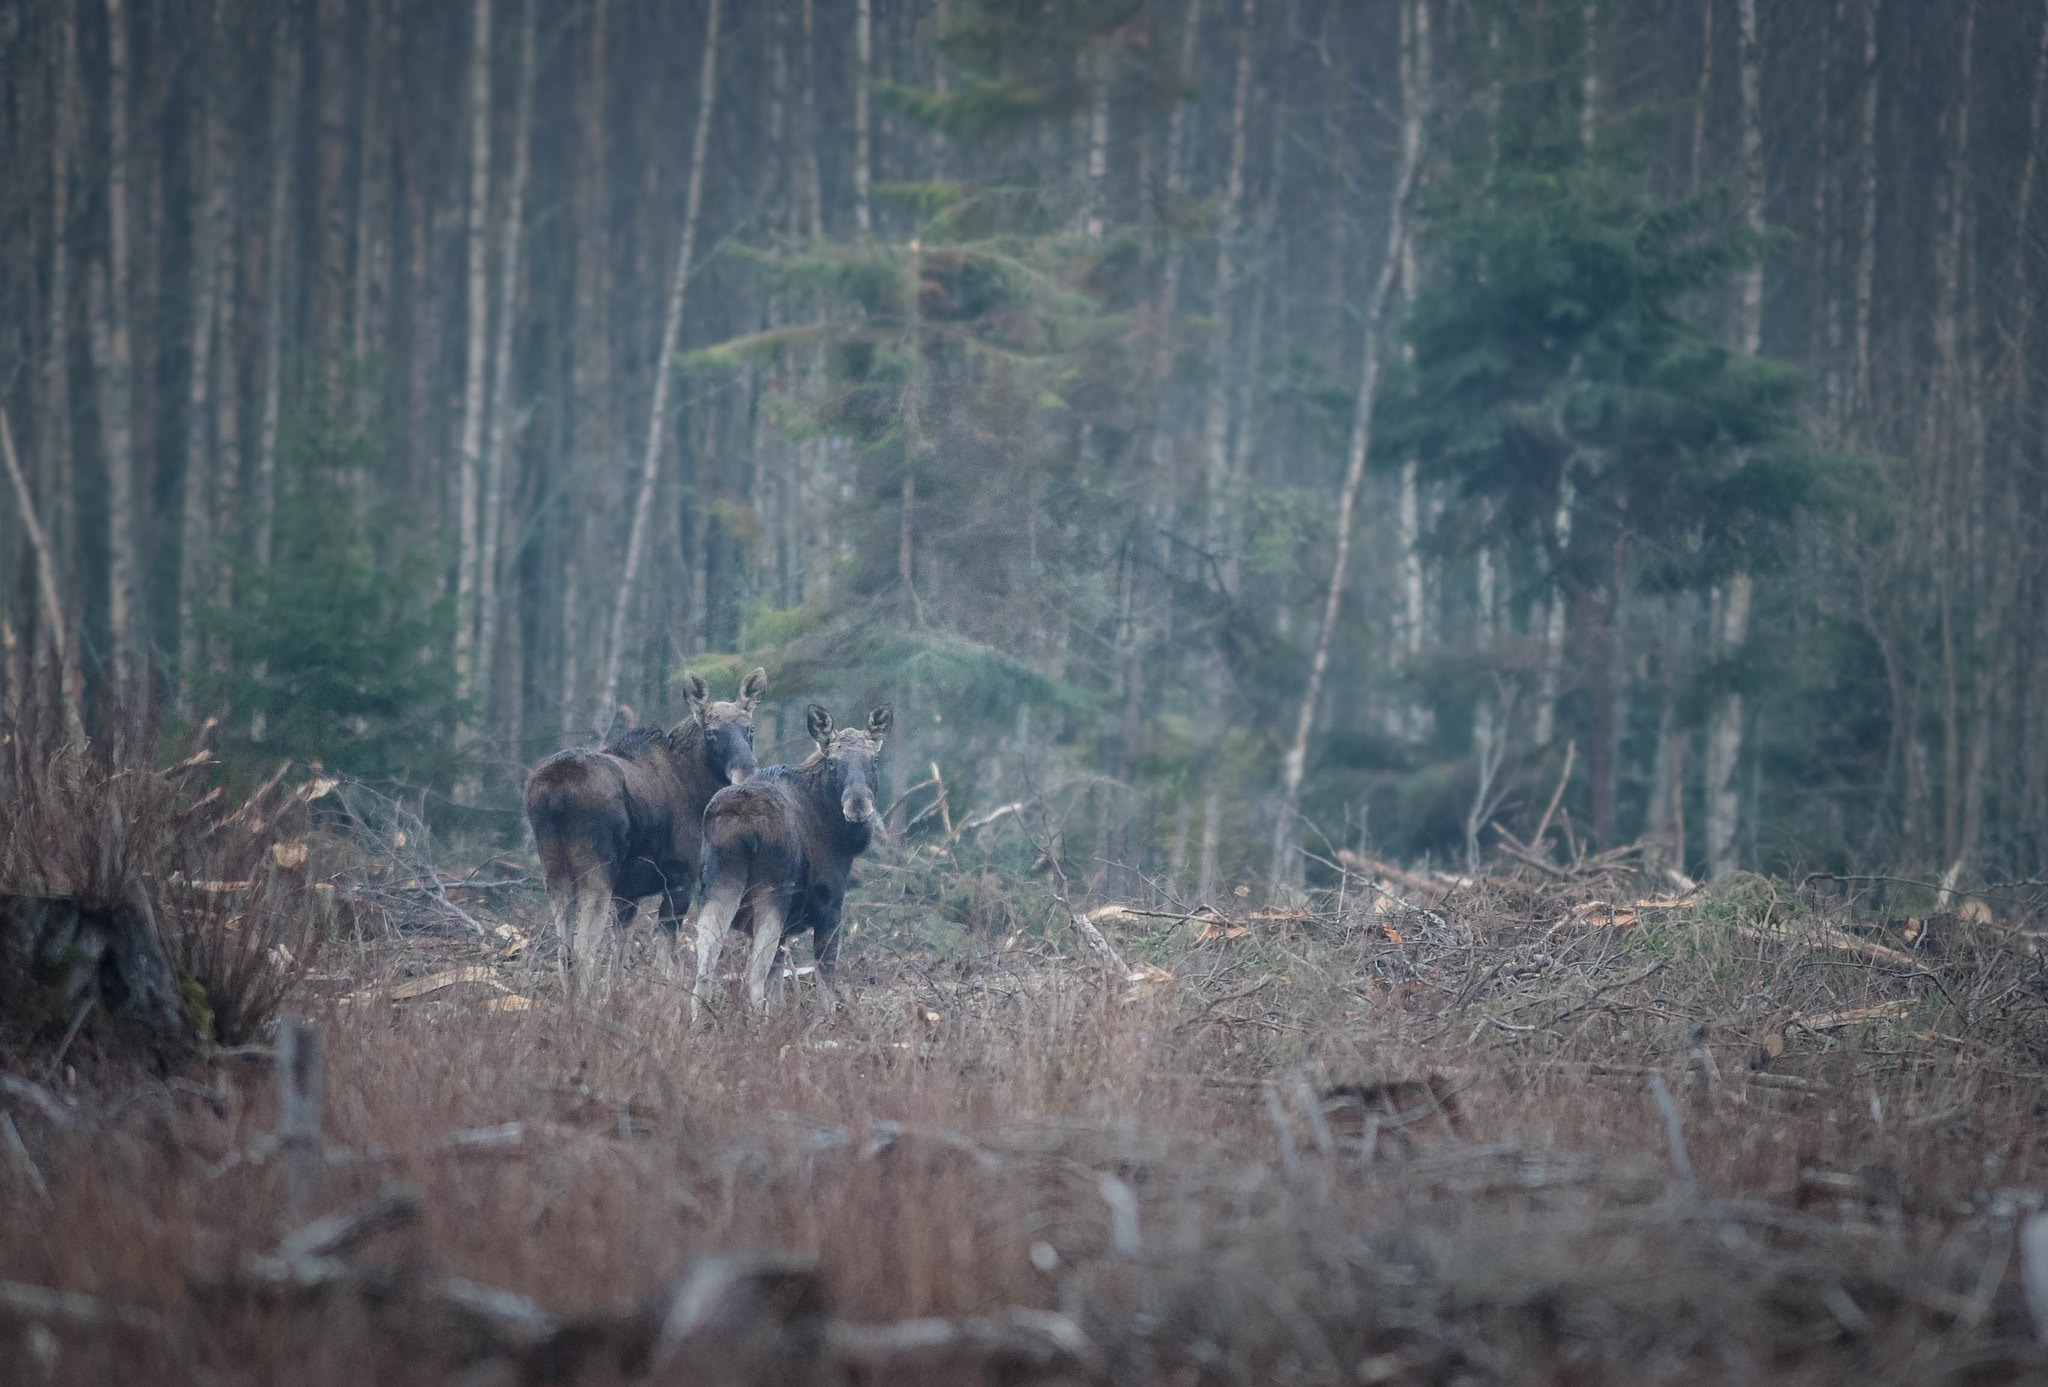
x,y
1507,1132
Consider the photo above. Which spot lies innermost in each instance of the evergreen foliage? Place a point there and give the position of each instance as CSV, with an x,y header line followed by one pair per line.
x,y
338,652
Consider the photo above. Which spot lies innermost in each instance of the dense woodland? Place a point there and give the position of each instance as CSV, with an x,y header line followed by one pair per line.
x,y
1233,427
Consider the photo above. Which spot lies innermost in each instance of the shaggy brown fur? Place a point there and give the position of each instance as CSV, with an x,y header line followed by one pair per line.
x,y
615,825
779,849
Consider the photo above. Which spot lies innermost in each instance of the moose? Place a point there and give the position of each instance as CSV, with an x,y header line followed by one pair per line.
x,y
779,849
625,822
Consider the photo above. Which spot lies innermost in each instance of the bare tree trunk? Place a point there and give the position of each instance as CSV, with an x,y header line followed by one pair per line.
x,y
813,193
210,230
55,431
114,364
1415,26
592,438
495,458
1589,74
469,448
330,282
1699,105
1097,60
46,576
1216,407
227,389
284,81
671,335
373,249
1724,732
864,56
1866,238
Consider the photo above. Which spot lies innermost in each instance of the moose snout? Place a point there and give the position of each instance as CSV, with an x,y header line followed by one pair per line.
x,y
736,773
857,805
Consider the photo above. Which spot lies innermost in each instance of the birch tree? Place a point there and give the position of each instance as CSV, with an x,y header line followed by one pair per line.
x,y
210,231
114,363
284,81
469,446
1724,731
1414,34
664,370
498,445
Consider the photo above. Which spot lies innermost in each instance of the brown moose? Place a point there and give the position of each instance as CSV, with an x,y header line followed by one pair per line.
x,y
779,849
625,822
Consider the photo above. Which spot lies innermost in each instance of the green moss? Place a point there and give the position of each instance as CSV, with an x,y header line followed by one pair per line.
x,y
198,1009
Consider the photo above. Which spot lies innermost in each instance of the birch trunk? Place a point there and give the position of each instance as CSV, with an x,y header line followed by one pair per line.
x,y
671,336
115,364
813,192
864,56
46,576
1415,26
592,436
1097,59
495,458
330,284
55,424
1216,406
1724,731
1866,235
284,81
469,447
1699,105
373,259
227,387
209,231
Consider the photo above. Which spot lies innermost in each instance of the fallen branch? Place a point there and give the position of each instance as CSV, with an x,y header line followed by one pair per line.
x,y
1373,867
1019,1345
1828,937
73,1308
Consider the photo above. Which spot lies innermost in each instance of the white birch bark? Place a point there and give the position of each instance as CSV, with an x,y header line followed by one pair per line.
x,y
210,230
592,439
1216,405
116,368
813,192
496,462
46,576
469,447
1098,140
284,80
1589,75
671,335
1724,729
55,424
864,56
1866,235
1414,99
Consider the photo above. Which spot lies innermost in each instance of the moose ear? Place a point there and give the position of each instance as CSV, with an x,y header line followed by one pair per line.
x,y
696,691
752,687
818,723
880,720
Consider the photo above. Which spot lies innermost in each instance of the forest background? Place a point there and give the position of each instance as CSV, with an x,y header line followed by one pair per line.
x,y
1239,429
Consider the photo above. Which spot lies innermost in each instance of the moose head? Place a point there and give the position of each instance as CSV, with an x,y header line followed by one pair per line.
x,y
727,726
849,756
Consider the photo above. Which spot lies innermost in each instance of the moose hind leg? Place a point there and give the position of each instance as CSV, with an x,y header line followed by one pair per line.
x,y
592,927
714,917
767,940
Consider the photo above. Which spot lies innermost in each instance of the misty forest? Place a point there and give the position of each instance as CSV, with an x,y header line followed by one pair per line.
x,y
1269,426
1315,692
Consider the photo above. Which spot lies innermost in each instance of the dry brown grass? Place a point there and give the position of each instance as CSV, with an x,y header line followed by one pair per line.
x,y
1851,1219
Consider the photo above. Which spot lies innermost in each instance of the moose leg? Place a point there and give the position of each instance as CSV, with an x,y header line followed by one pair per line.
x,y
592,932
767,939
825,949
714,917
